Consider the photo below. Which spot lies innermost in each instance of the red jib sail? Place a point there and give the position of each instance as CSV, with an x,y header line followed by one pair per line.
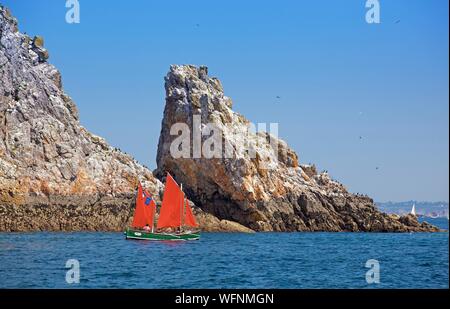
x,y
189,219
145,209
172,203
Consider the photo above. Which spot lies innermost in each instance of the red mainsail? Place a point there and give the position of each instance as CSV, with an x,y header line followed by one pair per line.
x,y
145,210
189,219
171,209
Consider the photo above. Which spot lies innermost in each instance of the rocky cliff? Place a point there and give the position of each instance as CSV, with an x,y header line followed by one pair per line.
x,y
248,176
54,174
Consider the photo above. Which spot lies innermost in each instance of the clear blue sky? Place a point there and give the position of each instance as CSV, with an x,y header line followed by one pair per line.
x,y
338,77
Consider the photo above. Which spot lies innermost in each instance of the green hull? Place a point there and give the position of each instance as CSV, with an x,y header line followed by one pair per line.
x,y
142,235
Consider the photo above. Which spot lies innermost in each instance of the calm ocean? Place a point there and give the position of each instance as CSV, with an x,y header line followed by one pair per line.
x,y
219,260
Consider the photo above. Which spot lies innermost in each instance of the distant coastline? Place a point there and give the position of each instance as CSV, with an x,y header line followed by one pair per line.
x,y
429,209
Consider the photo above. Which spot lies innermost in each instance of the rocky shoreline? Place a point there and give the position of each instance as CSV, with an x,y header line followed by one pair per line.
x,y
89,213
57,176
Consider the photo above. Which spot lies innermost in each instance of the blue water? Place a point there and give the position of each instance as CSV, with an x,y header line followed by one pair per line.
x,y
262,260
441,223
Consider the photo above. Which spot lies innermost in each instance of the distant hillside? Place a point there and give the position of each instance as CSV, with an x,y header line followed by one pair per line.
x,y
427,209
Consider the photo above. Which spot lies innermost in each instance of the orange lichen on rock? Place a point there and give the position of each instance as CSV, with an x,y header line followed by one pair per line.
x,y
83,184
12,193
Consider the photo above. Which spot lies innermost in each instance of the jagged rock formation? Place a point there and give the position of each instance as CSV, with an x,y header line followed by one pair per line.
x,y
265,189
54,174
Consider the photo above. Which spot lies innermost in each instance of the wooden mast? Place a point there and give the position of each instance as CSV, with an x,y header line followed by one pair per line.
x,y
181,210
153,219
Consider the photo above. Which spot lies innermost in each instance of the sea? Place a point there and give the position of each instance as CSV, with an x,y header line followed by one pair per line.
x,y
226,260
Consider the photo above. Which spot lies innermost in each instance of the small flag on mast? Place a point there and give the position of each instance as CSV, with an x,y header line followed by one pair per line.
x,y
147,198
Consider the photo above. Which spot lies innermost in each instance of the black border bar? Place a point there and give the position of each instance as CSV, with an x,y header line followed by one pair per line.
x,y
127,298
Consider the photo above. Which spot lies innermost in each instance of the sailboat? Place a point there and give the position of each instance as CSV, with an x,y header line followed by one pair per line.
x,y
413,210
175,221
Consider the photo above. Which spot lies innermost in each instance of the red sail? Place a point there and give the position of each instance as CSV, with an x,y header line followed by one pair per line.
x,y
143,214
170,215
150,208
189,219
